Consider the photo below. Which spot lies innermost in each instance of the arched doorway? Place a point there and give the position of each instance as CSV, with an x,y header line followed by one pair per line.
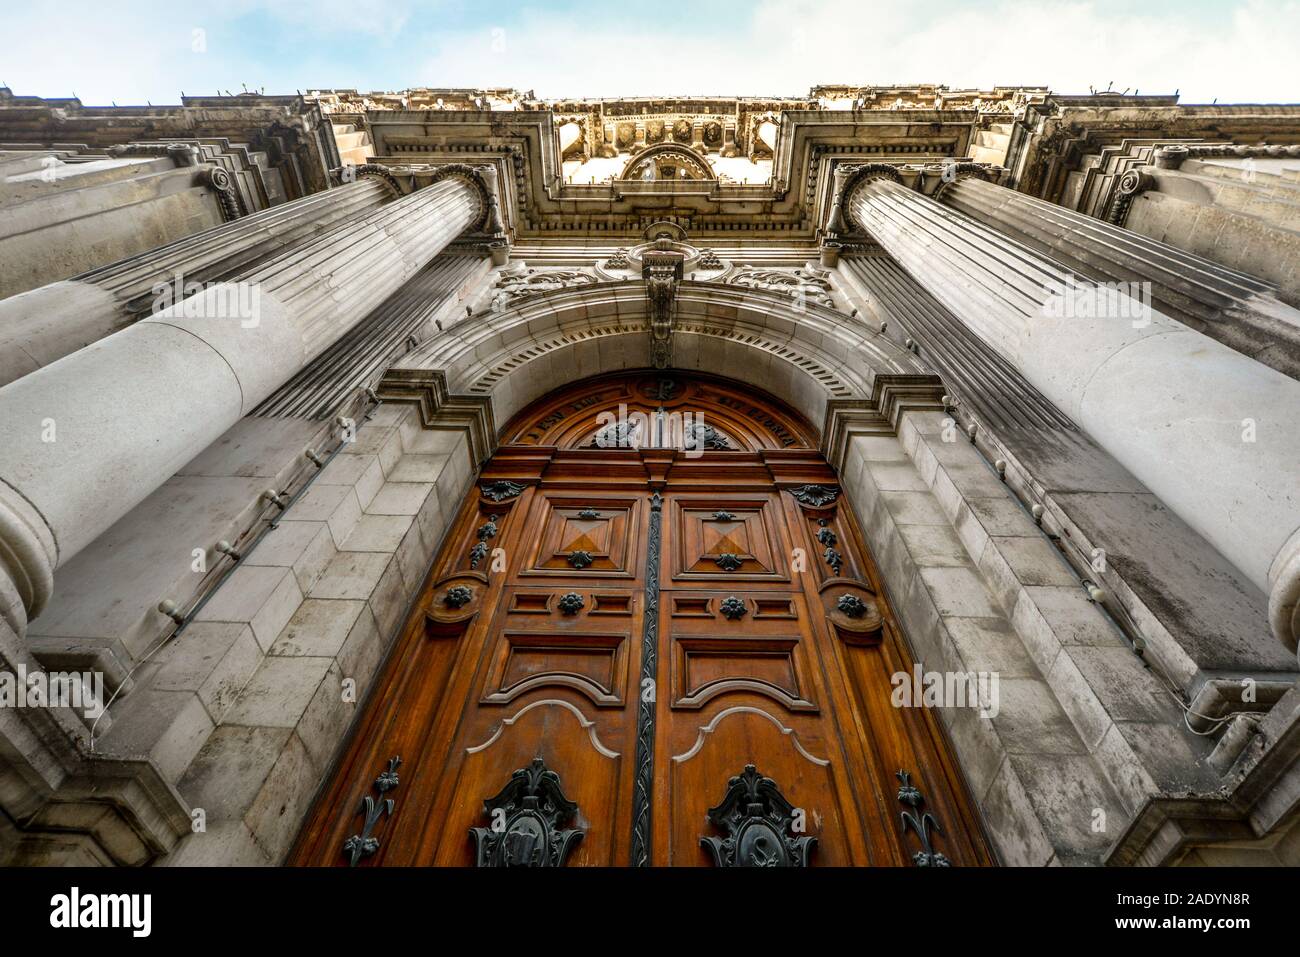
x,y
653,636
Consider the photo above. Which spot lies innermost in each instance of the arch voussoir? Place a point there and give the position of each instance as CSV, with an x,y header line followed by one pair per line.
x,y
810,356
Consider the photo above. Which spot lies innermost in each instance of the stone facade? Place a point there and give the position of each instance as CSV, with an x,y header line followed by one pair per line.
x,y
255,349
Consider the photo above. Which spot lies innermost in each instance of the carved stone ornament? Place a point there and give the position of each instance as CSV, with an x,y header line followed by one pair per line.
x,y
756,821
661,268
709,260
501,490
1174,155
349,172
630,263
803,285
219,180
484,181
1133,183
519,282
847,178
526,820
815,496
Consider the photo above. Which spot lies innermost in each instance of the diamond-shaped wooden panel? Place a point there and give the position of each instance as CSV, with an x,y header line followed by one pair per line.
x,y
585,538
731,541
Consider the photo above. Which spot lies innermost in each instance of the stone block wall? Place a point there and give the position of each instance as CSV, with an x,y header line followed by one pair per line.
x,y
1084,733
243,712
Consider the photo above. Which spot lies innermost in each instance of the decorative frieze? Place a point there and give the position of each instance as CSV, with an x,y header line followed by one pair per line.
x,y
1174,155
518,282
805,285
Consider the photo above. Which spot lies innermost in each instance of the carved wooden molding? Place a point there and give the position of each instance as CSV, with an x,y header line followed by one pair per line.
x,y
454,601
643,789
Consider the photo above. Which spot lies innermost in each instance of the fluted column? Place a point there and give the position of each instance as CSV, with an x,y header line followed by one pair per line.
x,y
88,437
1239,310
44,324
1209,431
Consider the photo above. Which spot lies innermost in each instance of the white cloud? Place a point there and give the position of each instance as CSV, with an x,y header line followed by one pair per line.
x,y
1237,53
791,45
385,19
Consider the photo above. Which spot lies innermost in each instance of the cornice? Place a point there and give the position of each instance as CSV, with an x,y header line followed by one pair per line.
x,y
440,409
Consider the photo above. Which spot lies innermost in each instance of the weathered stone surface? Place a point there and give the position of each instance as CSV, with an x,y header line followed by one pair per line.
x,y
248,706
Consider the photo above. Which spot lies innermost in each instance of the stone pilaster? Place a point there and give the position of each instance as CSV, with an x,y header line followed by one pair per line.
x,y
44,324
1237,309
90,436
1210,431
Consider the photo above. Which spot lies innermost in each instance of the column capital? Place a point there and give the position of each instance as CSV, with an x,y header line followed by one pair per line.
x,y
929,179
349,173
848,176
485,181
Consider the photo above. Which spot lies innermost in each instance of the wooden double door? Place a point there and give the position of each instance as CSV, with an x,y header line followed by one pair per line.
x,y
653,636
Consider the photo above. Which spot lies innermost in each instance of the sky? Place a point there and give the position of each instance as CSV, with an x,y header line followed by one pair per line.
x,y
138,51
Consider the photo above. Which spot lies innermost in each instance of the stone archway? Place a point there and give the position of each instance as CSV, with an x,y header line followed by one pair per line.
x,y
825,365
883,428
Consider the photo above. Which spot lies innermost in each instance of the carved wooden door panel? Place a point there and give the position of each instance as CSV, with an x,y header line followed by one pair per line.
x,y
630,651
